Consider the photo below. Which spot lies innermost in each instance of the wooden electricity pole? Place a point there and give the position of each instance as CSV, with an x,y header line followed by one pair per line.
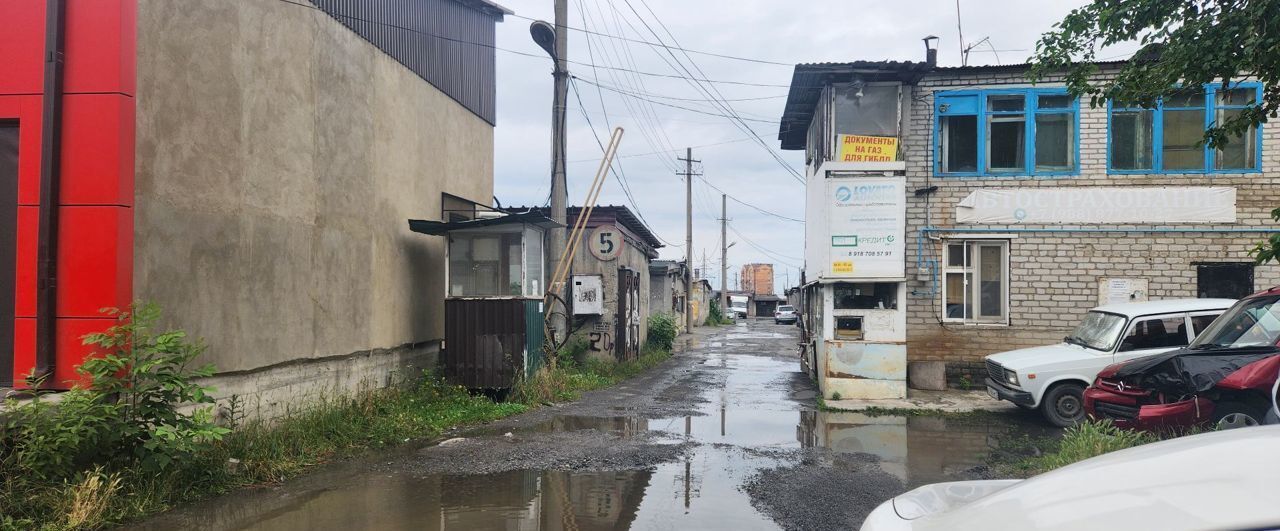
x,y
688,237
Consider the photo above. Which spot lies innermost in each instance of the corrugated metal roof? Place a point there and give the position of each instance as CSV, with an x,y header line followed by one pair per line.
x,y
809,79
619,212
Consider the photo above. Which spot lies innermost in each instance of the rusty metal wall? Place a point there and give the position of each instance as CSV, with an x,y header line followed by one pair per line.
x,y
446,42
484,342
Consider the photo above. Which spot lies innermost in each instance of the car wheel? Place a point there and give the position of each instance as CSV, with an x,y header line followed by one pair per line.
x,y
1063,405
1231,415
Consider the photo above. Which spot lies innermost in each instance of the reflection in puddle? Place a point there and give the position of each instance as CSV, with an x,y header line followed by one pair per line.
x,y
917,450
754,409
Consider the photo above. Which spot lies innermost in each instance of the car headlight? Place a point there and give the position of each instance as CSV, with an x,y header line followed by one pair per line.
x,y
1010,377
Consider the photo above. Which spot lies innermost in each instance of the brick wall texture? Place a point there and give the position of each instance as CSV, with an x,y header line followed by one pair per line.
x,y
1054,275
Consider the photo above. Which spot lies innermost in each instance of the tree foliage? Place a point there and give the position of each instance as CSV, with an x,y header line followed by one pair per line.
x,y
1186,43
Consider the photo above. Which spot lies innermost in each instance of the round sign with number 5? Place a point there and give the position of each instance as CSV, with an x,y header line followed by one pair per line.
x,y
605,242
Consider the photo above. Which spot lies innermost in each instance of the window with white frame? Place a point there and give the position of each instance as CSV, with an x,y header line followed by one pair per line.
x,y
1169,138
975,281
1006,132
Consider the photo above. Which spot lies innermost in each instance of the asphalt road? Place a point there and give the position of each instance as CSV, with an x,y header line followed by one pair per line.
x,y
724,435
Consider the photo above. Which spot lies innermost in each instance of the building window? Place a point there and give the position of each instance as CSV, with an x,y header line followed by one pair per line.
x,y
975,281
1224,280
487,265
1006,132
1169,138
866,296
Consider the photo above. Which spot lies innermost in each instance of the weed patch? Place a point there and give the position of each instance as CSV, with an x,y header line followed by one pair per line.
x,y
1080,442
569,379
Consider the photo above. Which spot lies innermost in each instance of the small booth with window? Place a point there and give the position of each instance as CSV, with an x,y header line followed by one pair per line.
x,y
855,257
495,281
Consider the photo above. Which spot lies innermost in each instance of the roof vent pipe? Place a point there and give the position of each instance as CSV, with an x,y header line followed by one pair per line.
x,y
931,50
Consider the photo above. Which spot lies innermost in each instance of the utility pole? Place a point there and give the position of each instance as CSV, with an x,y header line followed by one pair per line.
x,y
688,236
555,41
704,263
724,255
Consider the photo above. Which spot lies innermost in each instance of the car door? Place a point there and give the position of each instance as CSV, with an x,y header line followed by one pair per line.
x,y
1201,320
1153,334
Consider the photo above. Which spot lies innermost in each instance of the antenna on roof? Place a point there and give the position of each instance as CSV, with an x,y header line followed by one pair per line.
x,y
964,53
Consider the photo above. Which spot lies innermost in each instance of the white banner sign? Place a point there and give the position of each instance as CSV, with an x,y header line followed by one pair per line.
x,y
868,225
1082,205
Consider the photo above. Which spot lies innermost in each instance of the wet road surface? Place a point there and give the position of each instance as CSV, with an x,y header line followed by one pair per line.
x,y
725,435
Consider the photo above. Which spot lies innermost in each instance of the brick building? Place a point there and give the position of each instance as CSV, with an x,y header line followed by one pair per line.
x,y
758,279
1009,209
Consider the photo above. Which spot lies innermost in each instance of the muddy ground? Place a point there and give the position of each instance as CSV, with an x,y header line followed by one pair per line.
x,y
725,435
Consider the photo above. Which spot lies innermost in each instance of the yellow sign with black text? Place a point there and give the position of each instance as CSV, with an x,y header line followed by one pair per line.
x,y
863,148
842,267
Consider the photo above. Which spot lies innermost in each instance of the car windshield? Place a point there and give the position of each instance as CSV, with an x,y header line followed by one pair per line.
x,y
1098,330
786,309
1250,323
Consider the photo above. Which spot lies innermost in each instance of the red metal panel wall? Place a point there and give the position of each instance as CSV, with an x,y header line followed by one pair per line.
x,y
95,242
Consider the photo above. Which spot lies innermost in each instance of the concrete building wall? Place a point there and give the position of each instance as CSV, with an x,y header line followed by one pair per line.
x,y
666,295
1054,275
279,156
633,257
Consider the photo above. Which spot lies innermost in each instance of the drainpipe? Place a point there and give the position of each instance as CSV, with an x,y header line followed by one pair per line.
x,y
50,173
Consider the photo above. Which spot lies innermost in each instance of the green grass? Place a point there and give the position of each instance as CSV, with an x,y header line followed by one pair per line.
x,y
570,379
1084,441
331,429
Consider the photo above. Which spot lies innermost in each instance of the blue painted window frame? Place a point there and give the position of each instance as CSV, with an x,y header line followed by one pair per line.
x,y
1210,107
1030,110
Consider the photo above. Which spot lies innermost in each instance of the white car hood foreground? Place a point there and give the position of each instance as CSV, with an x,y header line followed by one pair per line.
x,y
1222,480
1038,357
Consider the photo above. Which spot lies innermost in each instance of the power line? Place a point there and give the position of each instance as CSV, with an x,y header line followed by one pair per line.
x,y
689,78
749,205
690,109
664,97
626,189
647,120
639,41
771,254
665,152
510,51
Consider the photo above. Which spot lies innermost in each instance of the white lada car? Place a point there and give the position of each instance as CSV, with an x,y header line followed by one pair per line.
x,y
1053,377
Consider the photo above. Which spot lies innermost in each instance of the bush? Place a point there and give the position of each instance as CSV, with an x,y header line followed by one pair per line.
x,y
127,416
662,331
715,315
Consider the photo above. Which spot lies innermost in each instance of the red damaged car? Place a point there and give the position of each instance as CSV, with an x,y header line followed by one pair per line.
x,y
1226,377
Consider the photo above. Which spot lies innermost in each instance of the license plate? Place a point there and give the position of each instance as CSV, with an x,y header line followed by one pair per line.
x,y
993,393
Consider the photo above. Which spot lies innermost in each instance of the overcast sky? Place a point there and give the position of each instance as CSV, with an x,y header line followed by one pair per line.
x,y
788,32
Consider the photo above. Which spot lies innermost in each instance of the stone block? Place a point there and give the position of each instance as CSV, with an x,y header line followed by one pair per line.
x,y
927,375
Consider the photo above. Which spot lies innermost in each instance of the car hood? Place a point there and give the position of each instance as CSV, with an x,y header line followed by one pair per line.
x,y
1189,370
1218,480
1037,356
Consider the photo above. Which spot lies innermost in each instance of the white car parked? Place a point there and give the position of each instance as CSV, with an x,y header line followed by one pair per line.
x,y
1053,377
1220,480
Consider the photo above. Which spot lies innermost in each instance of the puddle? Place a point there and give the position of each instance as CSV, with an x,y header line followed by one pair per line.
x,y
764,406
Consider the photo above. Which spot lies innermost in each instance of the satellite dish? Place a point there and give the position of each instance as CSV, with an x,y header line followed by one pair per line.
x,y
544,35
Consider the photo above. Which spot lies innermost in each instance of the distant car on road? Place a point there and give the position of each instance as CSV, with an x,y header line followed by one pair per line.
x,y
1226,377
1053,377
738,306
1220,480
785,314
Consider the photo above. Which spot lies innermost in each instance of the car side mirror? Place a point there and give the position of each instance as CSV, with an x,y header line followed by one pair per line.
x,y
1126,346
